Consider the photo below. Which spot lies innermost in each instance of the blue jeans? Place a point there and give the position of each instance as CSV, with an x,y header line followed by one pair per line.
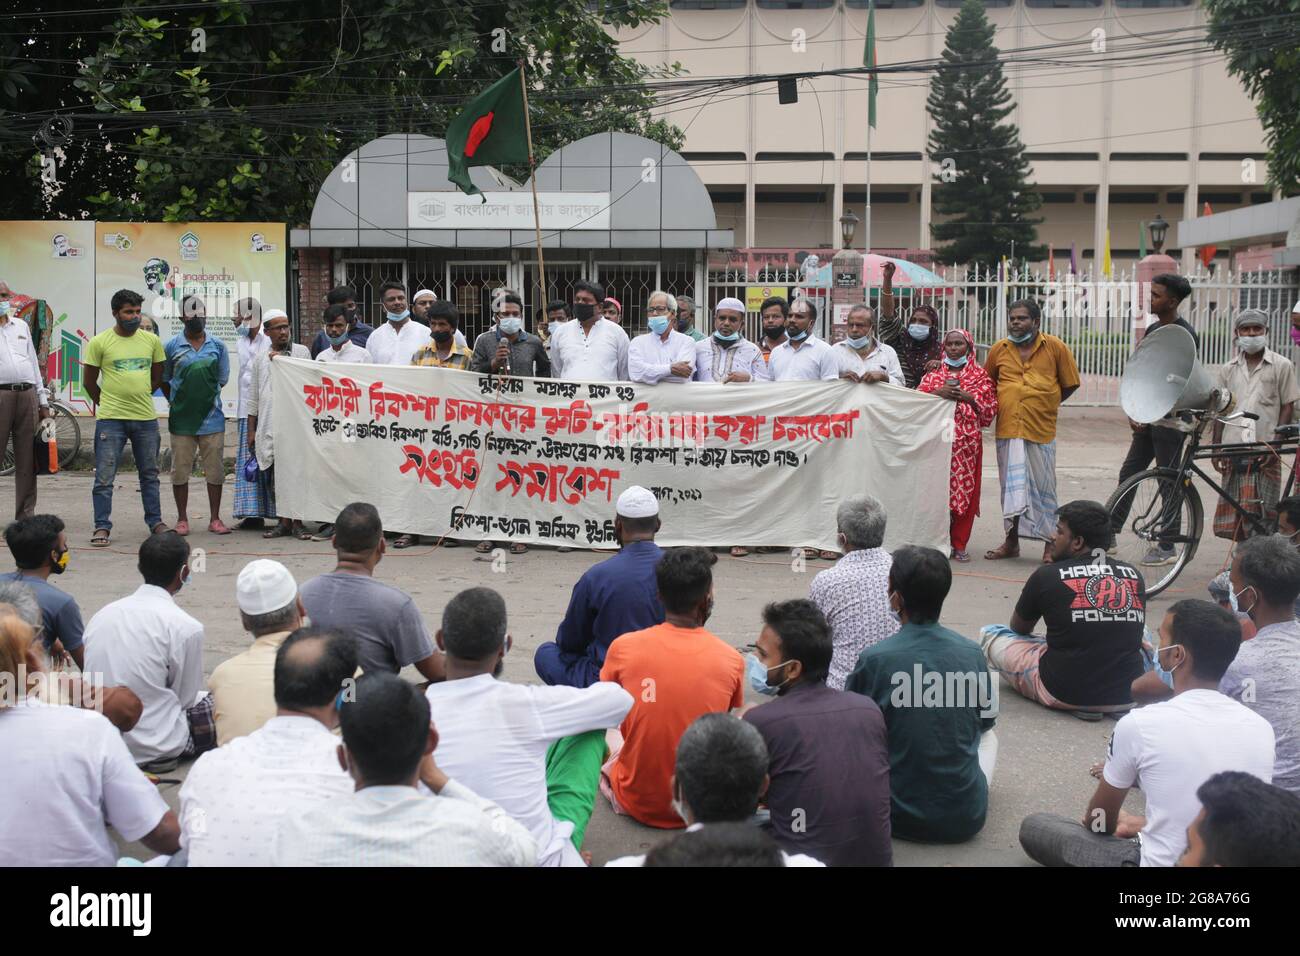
x,y
111,435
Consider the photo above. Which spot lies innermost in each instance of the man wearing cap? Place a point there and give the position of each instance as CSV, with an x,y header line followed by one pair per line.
x,y
243,687
614,597
726,355
261,439
422,306
803,357
1262,382
663,354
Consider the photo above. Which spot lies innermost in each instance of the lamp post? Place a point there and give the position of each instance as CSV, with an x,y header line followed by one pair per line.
x,y
1158,229
848,227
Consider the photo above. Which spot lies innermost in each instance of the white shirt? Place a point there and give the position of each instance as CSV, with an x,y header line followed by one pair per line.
x,y
812,360
395,347
348,352
147,643
791,859
1169,749
882,358
18,358
649,358
713,363
235,797
600,355
400,826
249,350
493,737
67,776
259,403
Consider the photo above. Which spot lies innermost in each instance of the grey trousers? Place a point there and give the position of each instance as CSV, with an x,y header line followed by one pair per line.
x,y
1056,841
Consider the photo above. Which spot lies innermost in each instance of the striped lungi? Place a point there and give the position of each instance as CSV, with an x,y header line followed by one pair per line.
x,y
1027,477
253,499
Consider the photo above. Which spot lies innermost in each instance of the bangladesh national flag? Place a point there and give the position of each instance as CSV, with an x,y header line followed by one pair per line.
x,y
869,60
490,132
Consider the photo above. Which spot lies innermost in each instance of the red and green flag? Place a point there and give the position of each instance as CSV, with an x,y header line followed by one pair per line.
x,y
491,131
869,60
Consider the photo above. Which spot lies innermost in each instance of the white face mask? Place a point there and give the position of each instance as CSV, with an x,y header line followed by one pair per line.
x,y
1252,343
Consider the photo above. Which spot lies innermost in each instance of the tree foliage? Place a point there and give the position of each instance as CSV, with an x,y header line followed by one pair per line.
x,y
1262,41
984,192
239,110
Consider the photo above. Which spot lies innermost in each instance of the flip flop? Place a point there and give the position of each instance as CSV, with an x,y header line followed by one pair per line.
x,y
100,539
829,555
810,553
182,528
302,534
217,526
739,551
518,548
483,547
1000,553
160,528
962,557
279,531
404,541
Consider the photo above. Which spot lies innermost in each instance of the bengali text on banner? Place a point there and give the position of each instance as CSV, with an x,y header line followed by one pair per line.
x,y
443,452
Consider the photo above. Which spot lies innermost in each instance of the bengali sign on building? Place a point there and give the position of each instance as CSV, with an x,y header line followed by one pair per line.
x,y
443,452
507,210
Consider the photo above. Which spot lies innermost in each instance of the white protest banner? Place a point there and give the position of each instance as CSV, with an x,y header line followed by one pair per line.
x,y
443,452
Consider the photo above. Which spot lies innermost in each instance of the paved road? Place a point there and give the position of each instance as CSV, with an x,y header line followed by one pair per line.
x,y
1043,758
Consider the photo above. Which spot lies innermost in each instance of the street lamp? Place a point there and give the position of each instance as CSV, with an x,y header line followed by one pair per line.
x,y
848,226
1158,228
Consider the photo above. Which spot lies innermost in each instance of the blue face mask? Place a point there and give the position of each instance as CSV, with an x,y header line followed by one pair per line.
x,y
918,331
733,337
757,676
797,337
1232,601
956,363
244,329
861,343
1021,339
658,324
396,317
339,340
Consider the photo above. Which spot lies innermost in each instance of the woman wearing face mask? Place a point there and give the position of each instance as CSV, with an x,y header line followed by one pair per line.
x,y
918,342
963,381
1263,382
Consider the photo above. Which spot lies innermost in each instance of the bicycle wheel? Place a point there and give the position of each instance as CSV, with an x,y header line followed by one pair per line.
x,y
1163,527
67,434
7,465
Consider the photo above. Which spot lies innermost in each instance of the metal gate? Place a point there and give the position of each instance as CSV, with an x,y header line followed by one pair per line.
x,y
631,283
365,276
561,277
472,285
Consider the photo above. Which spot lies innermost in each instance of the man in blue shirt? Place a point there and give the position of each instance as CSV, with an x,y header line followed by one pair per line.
x,y
934,688
40,548
612,598
196,368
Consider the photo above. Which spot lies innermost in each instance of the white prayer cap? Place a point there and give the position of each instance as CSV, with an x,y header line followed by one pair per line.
x,y
270,314
265,586
637,502
423,292
734,305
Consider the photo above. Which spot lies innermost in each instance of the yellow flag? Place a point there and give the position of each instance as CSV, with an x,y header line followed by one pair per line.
x,y
1105,259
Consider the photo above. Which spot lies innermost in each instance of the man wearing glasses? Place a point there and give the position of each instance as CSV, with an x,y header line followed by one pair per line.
x,y
663,354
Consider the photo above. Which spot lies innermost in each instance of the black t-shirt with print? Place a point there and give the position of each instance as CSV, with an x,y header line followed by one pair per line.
x,y
1095,615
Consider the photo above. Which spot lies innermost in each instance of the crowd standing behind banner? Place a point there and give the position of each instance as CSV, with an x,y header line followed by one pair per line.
x,y
453,776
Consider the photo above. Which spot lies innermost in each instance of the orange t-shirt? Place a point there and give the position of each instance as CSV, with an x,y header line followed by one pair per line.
x,y
674,675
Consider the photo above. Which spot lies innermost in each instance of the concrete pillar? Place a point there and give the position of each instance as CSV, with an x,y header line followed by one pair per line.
x,y
1100,222
846,289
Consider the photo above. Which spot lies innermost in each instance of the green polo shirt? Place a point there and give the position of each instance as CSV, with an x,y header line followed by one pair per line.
x,y
931,684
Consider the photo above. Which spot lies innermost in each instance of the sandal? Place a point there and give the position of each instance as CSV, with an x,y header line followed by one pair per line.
x,y
1001,553
450,543
217,526
160,528
829,555
279,531
740,551
810,553
518,548
404,541
961,557
483,547
100,539
182,528
302,534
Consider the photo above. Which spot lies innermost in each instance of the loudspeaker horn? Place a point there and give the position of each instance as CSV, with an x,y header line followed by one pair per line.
x,y
1164,375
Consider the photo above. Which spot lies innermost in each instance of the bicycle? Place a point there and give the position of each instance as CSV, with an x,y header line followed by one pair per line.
x,y
1159,503
67,435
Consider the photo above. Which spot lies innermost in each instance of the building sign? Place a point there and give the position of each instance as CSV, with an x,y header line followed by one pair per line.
x,y
507,210
755,294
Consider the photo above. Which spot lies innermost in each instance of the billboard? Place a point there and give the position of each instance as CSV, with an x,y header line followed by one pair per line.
x,y
75,267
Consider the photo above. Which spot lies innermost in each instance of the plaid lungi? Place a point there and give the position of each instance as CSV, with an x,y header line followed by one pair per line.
x,y
202,719
253,499
1256,483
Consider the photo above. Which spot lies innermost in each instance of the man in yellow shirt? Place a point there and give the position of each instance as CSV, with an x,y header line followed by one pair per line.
x,y
1035,373
122,370
443,352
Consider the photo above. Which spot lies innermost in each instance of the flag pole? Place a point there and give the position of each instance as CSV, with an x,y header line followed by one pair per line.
x,y
532,178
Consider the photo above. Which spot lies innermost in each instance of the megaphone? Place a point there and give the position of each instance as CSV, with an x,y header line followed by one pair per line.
x,y
1164,375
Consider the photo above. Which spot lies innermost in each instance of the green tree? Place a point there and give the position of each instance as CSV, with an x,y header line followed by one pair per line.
x,y
983,189
1262,42
240,110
